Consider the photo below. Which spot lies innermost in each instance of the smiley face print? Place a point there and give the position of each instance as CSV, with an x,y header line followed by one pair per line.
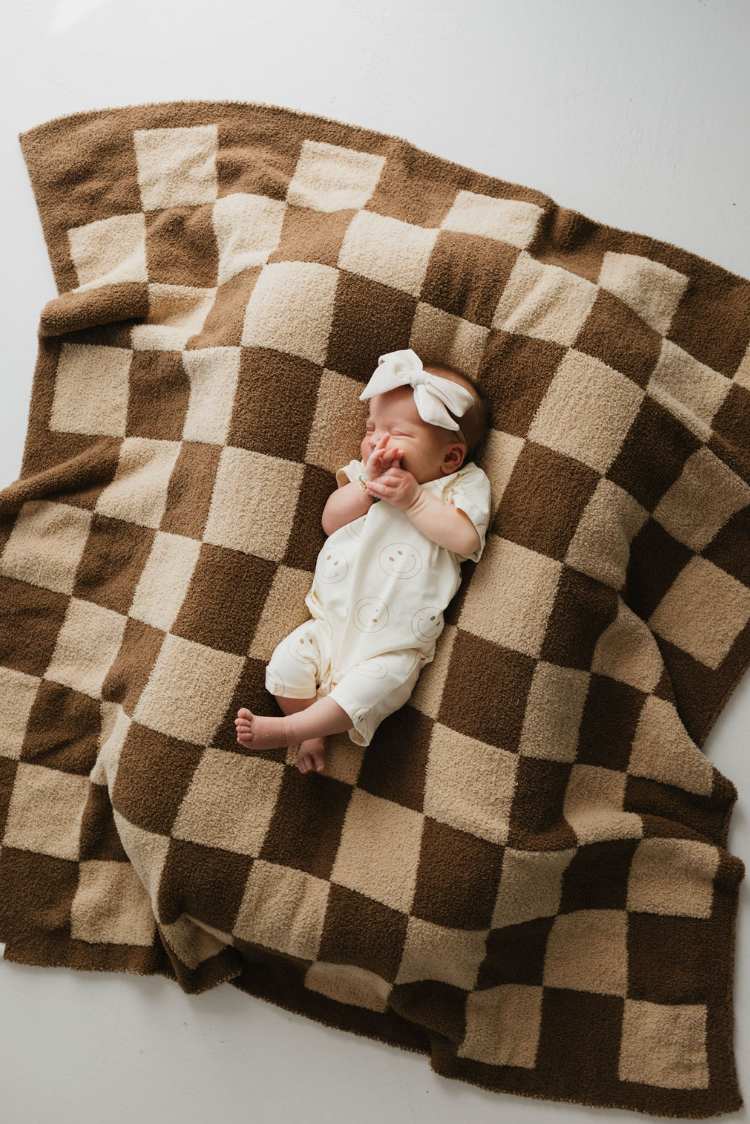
x,y
400,560
374,668
427,623
304,648
332,565
370,614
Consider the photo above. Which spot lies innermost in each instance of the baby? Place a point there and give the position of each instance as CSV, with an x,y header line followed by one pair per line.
x,y
399,526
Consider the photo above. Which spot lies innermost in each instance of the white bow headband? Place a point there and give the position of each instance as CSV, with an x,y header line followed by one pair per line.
x,y
431,392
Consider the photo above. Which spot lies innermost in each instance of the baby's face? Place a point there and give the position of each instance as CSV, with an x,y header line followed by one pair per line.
x,y
427,451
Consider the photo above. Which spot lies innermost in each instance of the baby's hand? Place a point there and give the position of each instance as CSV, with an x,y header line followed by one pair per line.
x,y
381,458
396,486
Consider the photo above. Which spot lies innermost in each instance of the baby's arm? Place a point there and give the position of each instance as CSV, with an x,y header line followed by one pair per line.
x,y
443,523
344,506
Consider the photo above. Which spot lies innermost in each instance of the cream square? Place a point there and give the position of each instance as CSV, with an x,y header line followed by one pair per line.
x,y
331,177
147,852
165,580
588,951
673,877
189,690
587,411
253,503
459,343
664,1044
664,751
109,251
387,250
17,694
46,544
503,1025
46,811
434,952
379,850
702,499
554,708
190,941
651,289
213,373
111,905
115,726
506,220
176,167
697,386
469,785
247,229
291,309
92,385
138,492
608,524
511,595
742,374
530,886
175,313
703,611
593,805
230,802
87,644
544,302
282,908
626,650
350,984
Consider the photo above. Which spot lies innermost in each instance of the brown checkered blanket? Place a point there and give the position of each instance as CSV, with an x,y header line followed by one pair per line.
x,y
525,875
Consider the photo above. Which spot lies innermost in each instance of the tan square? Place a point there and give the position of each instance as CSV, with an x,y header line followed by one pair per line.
x,y
138,492
17,694
176,167
608,524
503,1025
664,1045
698,387
282,908
291,309
175,313
213,373
511,595
545,302
742,374
46,810
379,850
673,877
651,289
530,886
427,695
554,708
115,726
702,499
247,229
165,579
627,651
230,802
253,503
330,177
587,411
433,952
91,390
387,250
111,905
190,941
86,646
339,415
593,805
469,785
587,951
703,611
189,690
283,610
108,251
146,851
348,983
46,544
664,751
457,342
506,220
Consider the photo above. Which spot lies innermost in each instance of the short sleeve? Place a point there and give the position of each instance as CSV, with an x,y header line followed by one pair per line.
x,y
470,492
349,473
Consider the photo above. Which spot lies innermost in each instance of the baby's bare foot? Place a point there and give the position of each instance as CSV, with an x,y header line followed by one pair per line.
x,y
310,755
259,732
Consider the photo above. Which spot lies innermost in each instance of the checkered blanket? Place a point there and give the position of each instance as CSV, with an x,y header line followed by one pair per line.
x,y
525,875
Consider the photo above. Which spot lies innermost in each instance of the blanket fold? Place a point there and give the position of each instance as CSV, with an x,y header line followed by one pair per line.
x,y
525,875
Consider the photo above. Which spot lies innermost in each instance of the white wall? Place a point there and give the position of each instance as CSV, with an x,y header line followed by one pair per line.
x,y
636,114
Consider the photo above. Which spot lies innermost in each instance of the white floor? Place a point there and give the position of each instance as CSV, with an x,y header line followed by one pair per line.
x,y
637,115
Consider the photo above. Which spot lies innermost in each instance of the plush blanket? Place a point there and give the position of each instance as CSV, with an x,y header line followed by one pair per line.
x,y
525,876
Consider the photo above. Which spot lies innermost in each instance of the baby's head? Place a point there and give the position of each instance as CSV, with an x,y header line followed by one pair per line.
x,y
429,451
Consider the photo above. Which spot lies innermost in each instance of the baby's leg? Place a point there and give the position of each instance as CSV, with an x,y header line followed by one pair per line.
x,y
311,754
323,717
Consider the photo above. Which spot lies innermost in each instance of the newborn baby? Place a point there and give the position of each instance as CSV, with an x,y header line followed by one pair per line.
x,y
400,524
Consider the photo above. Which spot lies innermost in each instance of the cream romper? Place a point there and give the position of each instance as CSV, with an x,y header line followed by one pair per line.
x,y
377,601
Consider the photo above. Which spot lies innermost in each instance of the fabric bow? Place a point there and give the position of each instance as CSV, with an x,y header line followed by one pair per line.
x,y
431,392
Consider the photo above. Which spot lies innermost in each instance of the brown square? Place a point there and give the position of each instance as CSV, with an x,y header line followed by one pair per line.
x,y
181,247
312,235
465,273
472,701
112,562
362,932
537,820
356,341
63,729
206,882
137,654
153,777
224,599
306,824
34,610
464,903
159,395
274,404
